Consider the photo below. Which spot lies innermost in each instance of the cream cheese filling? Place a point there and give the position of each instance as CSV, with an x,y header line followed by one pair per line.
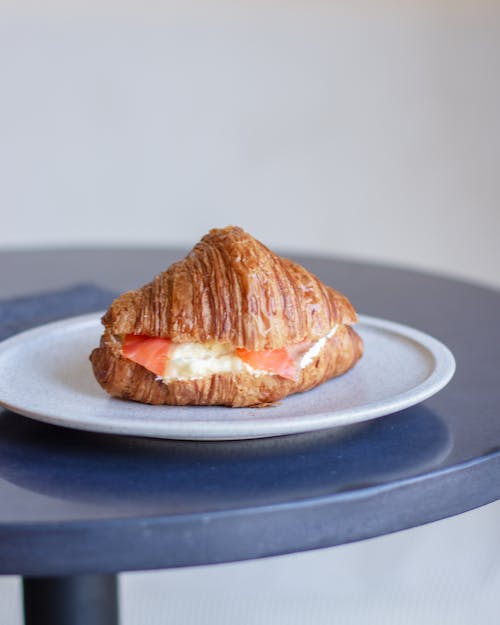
x,y
193,361
311,353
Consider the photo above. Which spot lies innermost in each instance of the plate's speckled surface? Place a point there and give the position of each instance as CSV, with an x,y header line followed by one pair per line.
x,y
45,374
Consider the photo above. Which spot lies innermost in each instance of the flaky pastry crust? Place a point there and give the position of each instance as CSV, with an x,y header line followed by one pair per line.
x,y
234,290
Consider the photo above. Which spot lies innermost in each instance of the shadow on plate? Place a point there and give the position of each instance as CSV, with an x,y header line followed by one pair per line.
x,y
167,476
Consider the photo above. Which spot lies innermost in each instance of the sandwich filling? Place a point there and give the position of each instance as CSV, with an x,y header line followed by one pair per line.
x,y
191,361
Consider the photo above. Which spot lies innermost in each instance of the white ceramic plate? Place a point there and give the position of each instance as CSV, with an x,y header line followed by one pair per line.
x,y
45,374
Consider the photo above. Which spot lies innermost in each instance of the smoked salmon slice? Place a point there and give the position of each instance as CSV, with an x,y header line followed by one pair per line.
x,y
277,361
149,351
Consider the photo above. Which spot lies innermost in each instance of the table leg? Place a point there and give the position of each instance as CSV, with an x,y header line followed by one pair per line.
x,y
73,600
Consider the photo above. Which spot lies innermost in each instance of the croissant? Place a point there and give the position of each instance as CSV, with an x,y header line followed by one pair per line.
x,y
231,324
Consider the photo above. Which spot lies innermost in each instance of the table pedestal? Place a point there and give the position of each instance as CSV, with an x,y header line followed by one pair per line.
x,y
75,600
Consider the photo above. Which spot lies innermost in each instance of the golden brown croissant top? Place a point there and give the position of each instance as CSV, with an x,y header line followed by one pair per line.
x,y
232,289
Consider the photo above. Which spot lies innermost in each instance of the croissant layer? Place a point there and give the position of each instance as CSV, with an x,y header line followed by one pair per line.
x,y
123,378
232,289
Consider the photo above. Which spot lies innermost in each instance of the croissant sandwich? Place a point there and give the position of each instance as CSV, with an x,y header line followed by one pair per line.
x,y
231,324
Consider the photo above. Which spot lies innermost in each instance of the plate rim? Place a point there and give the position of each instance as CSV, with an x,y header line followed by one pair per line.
x,y
442,373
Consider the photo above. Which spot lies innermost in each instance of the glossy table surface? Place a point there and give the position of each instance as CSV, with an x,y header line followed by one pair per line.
x,y
76,502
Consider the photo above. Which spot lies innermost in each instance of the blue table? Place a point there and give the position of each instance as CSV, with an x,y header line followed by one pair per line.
x,y
77,508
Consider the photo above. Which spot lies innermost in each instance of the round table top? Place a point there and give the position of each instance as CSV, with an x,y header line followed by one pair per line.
x,y
77,502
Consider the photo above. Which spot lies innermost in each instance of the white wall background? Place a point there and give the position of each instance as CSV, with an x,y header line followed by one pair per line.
x,y
365,129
